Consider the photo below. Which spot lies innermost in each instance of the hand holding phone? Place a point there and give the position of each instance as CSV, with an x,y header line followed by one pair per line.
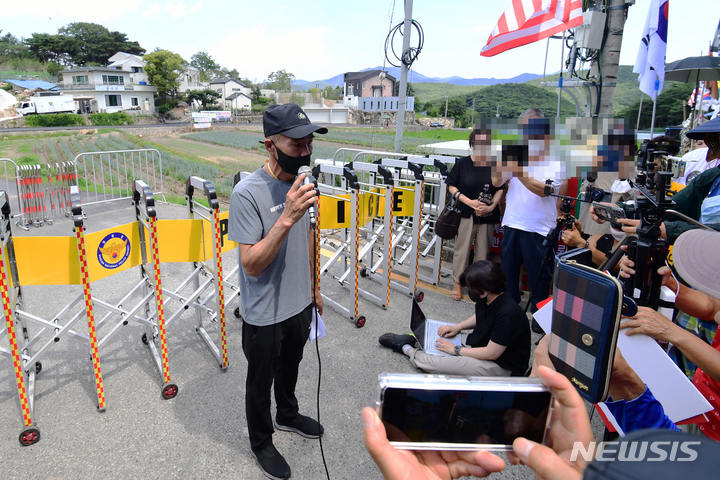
x,y
609,213
441,412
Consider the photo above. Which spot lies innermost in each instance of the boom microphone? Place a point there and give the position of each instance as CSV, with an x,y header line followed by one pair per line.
x,y
309,179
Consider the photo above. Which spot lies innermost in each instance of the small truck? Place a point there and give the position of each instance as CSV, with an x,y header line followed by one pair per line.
x,y
47,104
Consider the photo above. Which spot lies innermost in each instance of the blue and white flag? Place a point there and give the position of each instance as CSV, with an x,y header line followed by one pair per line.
x,y
650,62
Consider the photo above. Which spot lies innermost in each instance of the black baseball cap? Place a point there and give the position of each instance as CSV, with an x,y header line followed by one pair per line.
x,y
289,120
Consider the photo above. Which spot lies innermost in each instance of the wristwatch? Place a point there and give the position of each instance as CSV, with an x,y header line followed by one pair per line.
x,y
457,350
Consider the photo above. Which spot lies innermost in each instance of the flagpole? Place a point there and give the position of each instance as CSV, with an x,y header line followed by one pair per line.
x,y
560,79
652,123
637,127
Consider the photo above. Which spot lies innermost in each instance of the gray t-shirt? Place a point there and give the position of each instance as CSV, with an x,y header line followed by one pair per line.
x,y
283,289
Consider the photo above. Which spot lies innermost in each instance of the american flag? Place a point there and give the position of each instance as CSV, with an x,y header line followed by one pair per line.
x,y
527,21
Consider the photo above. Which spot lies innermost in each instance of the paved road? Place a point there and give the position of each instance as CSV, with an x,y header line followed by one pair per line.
x,y
202,432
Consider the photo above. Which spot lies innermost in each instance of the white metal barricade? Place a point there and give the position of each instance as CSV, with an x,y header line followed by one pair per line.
x,y
377,187
347,247
109,176
205,286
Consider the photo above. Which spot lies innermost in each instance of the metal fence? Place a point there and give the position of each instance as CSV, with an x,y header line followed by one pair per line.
x,y
109,176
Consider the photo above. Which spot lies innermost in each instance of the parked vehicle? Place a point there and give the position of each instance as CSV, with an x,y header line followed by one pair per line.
x,y
47,104
437,125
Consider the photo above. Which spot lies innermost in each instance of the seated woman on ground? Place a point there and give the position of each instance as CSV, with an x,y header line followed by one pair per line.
x,y
499,344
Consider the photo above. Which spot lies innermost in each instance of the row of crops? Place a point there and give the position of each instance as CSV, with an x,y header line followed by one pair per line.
x,y
371,140
65,149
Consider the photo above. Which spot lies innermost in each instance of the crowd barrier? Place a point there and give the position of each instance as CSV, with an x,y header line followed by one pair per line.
x,y
109,176
339,211
82,259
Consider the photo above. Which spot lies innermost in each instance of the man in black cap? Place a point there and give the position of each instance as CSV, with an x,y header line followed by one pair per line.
x,y
268,218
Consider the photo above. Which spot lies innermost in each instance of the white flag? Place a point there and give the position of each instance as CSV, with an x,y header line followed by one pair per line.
x,y
650,63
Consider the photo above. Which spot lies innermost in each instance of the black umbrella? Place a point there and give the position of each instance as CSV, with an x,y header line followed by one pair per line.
x,y
693,69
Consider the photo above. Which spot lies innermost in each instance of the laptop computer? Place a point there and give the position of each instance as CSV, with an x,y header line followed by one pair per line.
x,y
425,331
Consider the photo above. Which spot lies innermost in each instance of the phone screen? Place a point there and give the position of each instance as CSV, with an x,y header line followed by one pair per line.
x,y
468,417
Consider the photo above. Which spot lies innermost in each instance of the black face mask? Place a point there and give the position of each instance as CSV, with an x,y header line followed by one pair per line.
x,y
290,164
474,296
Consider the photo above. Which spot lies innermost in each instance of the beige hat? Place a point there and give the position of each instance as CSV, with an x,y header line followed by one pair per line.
x,y
696,257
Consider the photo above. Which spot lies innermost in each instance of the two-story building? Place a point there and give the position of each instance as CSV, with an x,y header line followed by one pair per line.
x,y
372,91
122,85
227,87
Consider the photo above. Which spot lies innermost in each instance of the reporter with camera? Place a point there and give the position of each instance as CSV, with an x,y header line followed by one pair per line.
x,y
479,196
599,244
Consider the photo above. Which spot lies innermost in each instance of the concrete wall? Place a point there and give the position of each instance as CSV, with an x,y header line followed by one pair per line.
x,y
359,117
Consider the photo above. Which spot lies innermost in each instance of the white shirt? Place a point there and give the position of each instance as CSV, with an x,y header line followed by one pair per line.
x,y
529,212
695,163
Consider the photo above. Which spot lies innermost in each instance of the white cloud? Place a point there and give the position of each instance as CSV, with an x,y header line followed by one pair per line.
x,y
179,9
257,52
152,10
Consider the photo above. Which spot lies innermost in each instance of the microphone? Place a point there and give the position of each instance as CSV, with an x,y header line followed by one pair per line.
x,y
309,179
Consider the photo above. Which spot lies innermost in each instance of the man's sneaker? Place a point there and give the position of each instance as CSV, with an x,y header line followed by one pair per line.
x,y
396,342
272,464
305,426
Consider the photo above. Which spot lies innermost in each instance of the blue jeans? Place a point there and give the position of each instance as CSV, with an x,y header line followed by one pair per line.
x,y
518,247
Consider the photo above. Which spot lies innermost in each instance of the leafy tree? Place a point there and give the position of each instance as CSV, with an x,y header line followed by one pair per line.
x,y
46,47
669,110
89,42
255,93
456,108
409,90
205,64
205,97
281,81
11,47
163,70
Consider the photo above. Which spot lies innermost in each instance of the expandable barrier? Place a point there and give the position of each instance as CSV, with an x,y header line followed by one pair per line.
x,y
80,261
408,194
61,176
109,176
32,195
205,286
339,209
377,193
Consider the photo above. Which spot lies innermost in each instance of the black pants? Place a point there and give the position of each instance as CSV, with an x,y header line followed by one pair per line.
x,y
273,353
518,247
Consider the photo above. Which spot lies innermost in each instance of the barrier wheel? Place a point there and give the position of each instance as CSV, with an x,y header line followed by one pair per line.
x,y
144,338
236,312
29,436
169,390
359,321
419,296
363,272
38,368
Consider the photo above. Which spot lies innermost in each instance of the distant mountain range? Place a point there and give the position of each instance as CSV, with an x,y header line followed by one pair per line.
x,y
416,77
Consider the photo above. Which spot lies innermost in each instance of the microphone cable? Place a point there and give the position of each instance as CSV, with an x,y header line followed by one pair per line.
x,y
314,275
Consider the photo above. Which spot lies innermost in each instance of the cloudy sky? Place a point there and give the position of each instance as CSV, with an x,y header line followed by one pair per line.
x,y
317,39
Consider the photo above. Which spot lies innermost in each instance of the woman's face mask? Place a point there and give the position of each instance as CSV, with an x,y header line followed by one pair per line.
x,y
618,235
476,297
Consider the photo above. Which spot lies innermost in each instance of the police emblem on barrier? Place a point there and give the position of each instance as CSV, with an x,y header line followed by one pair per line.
x,y
113,250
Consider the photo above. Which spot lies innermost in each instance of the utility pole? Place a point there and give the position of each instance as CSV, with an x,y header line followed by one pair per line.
x,y
497,112
610,57
407,29
472,120
447,97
